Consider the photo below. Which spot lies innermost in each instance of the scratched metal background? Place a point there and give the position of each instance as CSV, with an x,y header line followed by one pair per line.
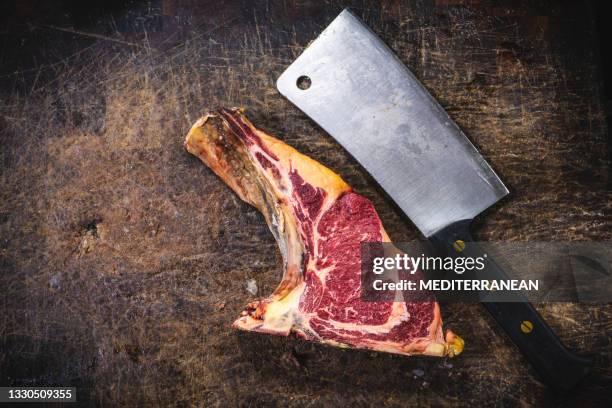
x,y
123,260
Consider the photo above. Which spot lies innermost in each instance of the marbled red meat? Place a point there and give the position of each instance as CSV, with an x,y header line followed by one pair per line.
x,y
319,224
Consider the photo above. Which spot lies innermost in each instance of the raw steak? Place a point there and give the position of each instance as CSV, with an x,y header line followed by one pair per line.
x,y
319,223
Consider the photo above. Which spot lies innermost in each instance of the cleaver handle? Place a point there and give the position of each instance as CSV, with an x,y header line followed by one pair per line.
x,y
559,367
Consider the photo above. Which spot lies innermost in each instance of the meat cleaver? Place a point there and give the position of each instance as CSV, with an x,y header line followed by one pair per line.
x,y
352,84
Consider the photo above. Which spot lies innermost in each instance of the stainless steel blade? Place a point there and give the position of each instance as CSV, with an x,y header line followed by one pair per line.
x,y
367,99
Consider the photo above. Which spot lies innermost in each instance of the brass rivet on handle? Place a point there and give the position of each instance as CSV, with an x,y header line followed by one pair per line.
x,y
526,326
459,245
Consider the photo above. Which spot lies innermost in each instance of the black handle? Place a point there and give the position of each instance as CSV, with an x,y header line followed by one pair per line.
x,y
559,367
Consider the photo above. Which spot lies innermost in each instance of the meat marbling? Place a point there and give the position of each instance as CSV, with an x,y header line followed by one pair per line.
x,y
319,224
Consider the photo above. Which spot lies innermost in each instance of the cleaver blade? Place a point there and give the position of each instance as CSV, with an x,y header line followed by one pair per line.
x,y
367,99
354,87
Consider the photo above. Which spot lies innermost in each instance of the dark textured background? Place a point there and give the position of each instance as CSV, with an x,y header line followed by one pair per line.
x,y
123,260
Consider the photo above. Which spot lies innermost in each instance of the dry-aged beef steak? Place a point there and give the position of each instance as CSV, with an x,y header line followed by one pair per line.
x,y
319,224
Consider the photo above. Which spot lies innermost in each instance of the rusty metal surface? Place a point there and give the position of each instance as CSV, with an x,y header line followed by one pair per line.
x,y
124,261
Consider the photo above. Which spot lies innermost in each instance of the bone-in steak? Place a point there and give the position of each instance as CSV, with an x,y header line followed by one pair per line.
x,y
319,224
